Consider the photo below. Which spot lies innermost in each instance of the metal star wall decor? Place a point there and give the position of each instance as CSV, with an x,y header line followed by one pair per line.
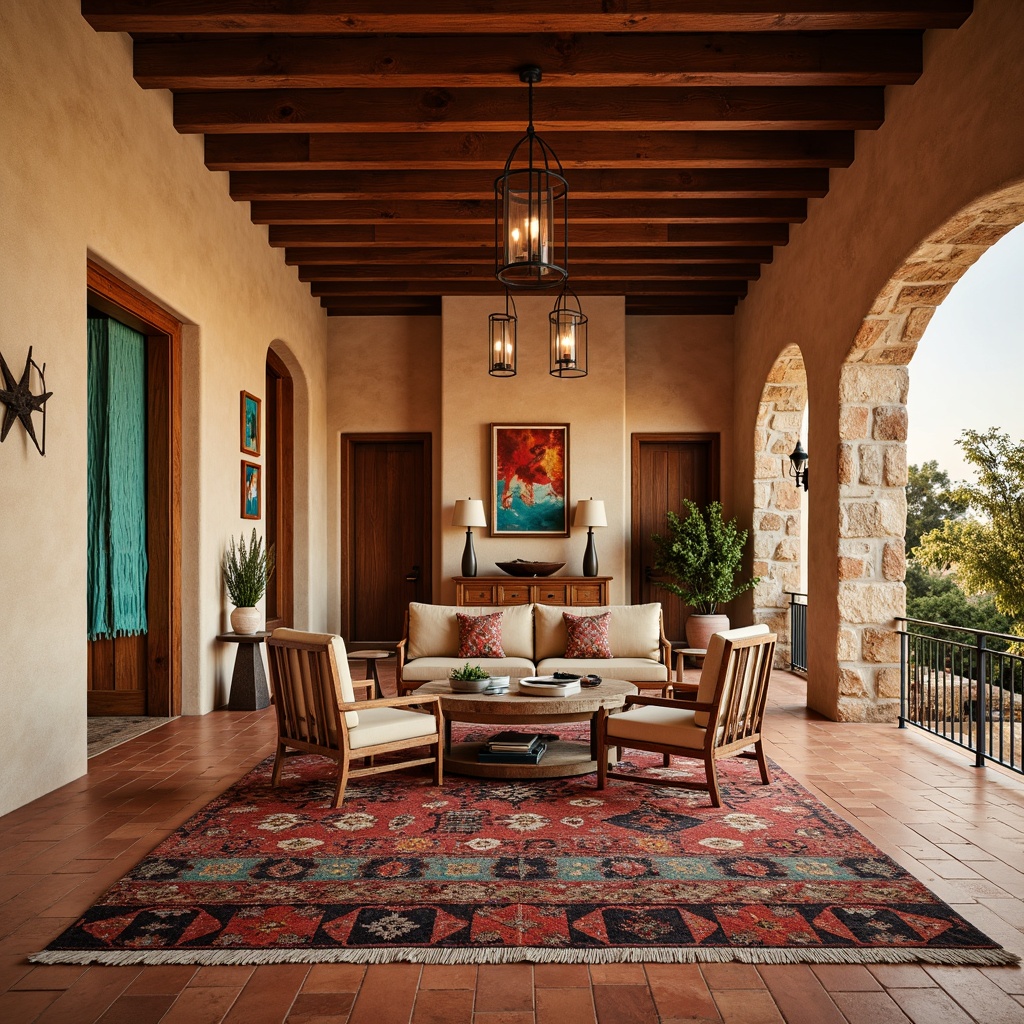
x,y
20,402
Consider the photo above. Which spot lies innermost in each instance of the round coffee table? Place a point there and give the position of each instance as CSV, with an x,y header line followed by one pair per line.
x,y
516,710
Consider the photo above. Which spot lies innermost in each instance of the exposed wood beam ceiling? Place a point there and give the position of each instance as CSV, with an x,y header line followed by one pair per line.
x,y
368,136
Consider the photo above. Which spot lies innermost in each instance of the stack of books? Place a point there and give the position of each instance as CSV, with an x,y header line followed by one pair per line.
x,y
513,748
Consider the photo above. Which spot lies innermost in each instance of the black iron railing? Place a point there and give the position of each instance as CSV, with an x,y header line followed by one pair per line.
x,y
797,631
964,685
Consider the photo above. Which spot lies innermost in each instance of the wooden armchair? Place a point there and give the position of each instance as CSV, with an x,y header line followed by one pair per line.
x,y
723,721
317,712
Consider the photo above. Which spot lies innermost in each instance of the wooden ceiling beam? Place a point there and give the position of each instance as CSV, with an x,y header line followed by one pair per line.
x,y
465,110
518,16
327,289
382,306
585,184
480,234
587,60
668,211
625,270
359,151
311,256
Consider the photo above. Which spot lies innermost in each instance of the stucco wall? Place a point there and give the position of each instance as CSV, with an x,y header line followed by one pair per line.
x,y
956,135
92,166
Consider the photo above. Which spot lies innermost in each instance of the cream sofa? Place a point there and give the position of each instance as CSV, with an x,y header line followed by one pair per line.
x,y
533,638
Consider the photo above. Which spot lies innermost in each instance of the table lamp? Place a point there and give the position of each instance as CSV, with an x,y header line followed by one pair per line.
x,y
469,512
590,513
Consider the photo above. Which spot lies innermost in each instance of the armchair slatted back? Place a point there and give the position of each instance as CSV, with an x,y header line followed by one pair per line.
x,y
742,690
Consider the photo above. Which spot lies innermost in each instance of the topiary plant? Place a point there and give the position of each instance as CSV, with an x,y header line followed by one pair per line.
x,y
702,556
247,570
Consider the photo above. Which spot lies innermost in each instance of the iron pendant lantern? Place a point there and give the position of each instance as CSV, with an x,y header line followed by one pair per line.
x,y
798,468
568,330
531,216
501,355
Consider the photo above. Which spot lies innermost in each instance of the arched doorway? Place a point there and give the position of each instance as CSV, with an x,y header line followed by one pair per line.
x,y
279,489
872,453
778,523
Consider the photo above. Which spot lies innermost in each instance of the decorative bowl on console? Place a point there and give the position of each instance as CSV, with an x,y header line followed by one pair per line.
x,y
520,567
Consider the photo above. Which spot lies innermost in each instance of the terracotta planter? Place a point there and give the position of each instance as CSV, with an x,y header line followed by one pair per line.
x,y
246,620
699,629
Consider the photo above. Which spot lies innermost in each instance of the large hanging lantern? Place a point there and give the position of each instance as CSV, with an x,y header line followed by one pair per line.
x,y
531,217
568,330
502,341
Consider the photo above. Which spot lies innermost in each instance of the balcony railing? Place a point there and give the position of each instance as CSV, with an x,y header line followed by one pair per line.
x,y
797,632
964,685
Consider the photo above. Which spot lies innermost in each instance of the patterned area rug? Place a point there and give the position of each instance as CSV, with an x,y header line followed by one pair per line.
x,y
108,731
490,870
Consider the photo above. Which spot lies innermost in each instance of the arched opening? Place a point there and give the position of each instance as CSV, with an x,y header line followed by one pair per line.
x,y
779,506
872,452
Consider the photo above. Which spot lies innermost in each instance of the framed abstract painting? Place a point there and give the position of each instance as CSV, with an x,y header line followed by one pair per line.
x,y
530,480
252,490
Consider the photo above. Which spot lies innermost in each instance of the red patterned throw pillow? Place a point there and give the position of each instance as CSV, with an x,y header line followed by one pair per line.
x,y
480,636
587,635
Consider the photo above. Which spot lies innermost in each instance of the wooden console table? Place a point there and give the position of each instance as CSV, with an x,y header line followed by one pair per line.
x,y
587,591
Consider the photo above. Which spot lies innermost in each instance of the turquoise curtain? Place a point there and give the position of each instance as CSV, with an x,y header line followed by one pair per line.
x,y
117,479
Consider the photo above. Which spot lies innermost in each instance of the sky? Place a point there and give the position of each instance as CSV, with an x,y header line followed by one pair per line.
x,y
968,370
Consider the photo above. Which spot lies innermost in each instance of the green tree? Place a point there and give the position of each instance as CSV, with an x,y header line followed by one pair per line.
x,y
931,501
935,597
986,552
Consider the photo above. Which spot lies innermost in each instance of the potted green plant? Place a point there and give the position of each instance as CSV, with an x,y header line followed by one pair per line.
x,y
701,557
247,570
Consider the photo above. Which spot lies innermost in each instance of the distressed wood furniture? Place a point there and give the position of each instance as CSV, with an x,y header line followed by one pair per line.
x,y
515,710
510,590
317,712
723,721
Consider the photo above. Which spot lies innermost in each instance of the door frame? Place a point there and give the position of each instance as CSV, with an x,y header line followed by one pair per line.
x,y
348,441
282,407
111,295
636,442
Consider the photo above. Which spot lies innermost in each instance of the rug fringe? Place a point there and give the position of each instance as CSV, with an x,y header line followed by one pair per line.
x,y
527,954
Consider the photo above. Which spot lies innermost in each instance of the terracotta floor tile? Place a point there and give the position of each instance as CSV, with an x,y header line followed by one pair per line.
x,y
624,1004
320,1008
23,1007
981,996
503,1017
207,1004
218,977
161,980
902,976
504,987
334,978
1009,979
387,994
721,976
443,1006
89,997
747,1006
929,1006
845,978
877,1007
561,976
57,976
799,996
565,1006
448,976
680,990
617,974
268,995
137,1010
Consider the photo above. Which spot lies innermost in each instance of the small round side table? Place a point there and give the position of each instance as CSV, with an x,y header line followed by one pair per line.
x,y
249,689
371,658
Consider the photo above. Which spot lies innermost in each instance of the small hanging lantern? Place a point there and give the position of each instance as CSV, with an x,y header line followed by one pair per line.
x,y
568,330
798,467
531,218
502,340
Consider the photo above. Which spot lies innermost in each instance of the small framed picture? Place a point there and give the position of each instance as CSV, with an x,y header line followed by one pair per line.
x,y
252,494
250,424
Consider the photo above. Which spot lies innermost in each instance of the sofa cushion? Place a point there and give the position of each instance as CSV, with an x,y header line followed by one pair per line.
x,y
348,695
480,635
423,670
713,663
636,670
586,636
434,630
654,724
388,725
634,630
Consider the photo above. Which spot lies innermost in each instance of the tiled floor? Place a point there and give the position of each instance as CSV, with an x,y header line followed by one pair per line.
x,y
959,829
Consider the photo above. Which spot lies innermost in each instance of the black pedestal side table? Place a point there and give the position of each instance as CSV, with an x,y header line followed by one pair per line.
x,y
249,689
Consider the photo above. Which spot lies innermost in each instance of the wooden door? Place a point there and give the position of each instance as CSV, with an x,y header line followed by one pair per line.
x,y
278,476
386,535
666,469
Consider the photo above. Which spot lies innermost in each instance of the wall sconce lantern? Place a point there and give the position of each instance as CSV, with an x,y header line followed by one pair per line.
x,y
469,512
798,470
568,329
531,218
502,340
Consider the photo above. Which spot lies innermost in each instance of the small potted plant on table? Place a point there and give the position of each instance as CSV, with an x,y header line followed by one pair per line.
x,y
247,570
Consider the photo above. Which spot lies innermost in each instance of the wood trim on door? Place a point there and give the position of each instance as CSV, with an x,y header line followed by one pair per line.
x,y
345,504
279,410
113,296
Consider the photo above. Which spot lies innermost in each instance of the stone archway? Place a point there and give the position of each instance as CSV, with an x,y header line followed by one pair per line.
x,y
777,522
872,451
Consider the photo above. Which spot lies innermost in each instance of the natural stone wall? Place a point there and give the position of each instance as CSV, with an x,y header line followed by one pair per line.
x,y
873,457
776,524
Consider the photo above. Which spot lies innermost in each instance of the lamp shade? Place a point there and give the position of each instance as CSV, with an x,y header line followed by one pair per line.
x,y
589,512
469,512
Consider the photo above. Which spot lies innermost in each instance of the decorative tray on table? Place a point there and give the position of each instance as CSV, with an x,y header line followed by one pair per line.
x,y
549,686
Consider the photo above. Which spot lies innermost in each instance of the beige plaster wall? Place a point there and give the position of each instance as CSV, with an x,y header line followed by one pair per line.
x,y
383,375
91,165
956,135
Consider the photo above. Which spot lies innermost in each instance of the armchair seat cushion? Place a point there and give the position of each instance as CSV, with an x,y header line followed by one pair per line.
x,y
422,670
657,725
641,670
389,725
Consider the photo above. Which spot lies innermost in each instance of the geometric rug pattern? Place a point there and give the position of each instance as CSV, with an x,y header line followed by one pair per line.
x,y
495,870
